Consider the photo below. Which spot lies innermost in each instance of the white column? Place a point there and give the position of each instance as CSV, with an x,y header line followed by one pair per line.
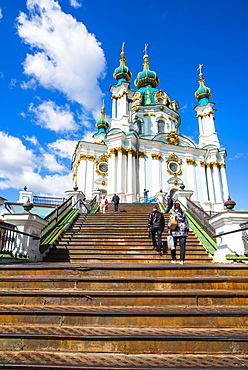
x,y
217,183
141,173
119,179
130,171
191,177
204,183
155,173
134,173
112,172
81,173
89,177
210,183
224,181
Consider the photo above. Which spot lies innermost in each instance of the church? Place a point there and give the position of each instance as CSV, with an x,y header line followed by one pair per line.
x,y
141,147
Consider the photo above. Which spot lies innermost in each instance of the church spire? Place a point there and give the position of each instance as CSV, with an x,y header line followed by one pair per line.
x,y
203,93
122,72
102,124
146,77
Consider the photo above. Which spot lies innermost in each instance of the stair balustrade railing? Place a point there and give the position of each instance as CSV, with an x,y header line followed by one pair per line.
x,y
12,241
57,215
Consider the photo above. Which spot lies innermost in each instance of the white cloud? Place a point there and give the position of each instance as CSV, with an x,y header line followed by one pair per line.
x,y
50,163
52,117
88,136
32,139
19,166
65,56
75,3
63,148
1,13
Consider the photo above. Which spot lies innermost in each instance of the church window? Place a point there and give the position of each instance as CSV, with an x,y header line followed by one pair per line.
x,y
138,127
160,126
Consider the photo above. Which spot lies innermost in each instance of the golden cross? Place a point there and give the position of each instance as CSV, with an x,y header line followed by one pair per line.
x,y
145,49
200,68
122,47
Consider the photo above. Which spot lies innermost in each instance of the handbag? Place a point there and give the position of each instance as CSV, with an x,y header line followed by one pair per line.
x,y
173,223
170,242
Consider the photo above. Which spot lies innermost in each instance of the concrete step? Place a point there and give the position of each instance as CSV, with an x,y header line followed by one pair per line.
x,y
65,295
133,340
125,317
129,283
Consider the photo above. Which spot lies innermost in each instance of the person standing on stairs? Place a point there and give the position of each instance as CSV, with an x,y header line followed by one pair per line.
x,y
116,200
179,233
169,204
103,204
156,226
145,193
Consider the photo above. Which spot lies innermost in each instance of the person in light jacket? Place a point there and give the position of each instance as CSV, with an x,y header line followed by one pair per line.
x,y
179,233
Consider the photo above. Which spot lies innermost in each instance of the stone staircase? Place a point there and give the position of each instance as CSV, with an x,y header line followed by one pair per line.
x,y
118,237
122,311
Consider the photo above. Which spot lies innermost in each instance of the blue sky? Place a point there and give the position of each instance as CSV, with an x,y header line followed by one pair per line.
x,y
57,62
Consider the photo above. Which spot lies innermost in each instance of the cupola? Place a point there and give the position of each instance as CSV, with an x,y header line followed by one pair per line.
x,y
122,72
146,77
102,124
203,94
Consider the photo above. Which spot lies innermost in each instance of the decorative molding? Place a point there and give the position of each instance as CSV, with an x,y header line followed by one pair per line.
x,y
112,151
205,114
156,156
174,165
145,114
136,109
172,119
120,96
161,107
82,157
142,154
172,138
103,183
120,149
190,161
131,151
152,114
222,165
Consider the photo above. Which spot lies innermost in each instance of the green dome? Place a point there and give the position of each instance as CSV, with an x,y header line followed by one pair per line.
x,y
102,125
122,72
203,94
146,77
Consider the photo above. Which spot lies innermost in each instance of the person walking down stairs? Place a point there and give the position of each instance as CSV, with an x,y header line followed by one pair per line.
x,y
156,226
116,200
179,232
103,204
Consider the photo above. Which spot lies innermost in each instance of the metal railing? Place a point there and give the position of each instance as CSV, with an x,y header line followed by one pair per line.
x,y
48,200
11,241
146,200
200,216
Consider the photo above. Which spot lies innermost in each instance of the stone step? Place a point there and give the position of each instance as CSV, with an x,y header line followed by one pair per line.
x,y
133,298
111,259
115,361
125,340
125,317
129,283
124,270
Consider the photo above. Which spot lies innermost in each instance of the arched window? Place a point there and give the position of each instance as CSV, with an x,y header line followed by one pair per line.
x,y
160,126
138,127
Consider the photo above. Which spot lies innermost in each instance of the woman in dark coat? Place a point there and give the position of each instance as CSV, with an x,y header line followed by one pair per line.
x,y
180,232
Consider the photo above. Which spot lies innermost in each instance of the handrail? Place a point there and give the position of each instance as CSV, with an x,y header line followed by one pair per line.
x,y
200,216
17,231
230,232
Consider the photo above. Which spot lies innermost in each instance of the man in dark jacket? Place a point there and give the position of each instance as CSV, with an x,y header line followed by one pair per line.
x,y
169,204
116,200
156,225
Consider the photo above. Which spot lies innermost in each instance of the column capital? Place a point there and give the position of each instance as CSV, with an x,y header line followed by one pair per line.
x,y
156,156
190,161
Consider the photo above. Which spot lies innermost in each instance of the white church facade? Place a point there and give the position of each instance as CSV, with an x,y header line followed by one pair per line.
x,y
142,147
